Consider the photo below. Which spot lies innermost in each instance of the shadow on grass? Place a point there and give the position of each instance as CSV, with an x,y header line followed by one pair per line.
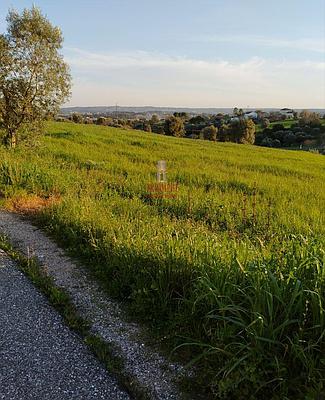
x,y
60,135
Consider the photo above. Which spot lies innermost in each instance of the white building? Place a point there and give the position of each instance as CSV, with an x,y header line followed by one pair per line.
x,y
287,112
251,115
247,115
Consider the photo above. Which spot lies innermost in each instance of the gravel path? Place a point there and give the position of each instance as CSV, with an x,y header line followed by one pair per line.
x,y
151,370
40,358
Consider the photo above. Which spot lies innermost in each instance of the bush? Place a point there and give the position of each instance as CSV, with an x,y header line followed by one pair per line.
x,y
265,123
209,133
309,118
278,127
174,126
289,138
267,142
242,131
77,118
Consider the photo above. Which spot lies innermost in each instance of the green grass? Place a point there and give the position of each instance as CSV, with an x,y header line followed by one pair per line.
x,y
286,123
232,271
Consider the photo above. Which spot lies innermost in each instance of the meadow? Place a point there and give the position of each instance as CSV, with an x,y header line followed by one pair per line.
x,y
230,272
287,123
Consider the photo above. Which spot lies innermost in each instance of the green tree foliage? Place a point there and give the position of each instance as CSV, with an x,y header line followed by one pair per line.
x,y
242,131
224,133
174,126
154,119
309,118
34,79
197,120
265,123
209,133
159,129
238,112
182,115
147,126
77,118
101,121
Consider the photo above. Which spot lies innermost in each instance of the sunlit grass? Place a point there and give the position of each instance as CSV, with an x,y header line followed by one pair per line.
x,y
233,269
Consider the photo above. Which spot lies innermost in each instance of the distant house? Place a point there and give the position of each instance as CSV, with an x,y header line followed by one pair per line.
x,y
247,115
251,115
288,113
232,119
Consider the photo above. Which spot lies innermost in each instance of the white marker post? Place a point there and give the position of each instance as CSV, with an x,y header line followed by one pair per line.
x,y
161,171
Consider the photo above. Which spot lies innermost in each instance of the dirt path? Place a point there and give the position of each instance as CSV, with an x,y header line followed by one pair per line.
x,y
145,366
40,358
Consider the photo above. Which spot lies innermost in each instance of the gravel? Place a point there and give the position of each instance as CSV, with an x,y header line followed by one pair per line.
x,y
141,362
40,358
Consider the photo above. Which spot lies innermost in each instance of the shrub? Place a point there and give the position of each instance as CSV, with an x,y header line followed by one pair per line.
x,y
174,126
77,118
243,131
278,127
209,133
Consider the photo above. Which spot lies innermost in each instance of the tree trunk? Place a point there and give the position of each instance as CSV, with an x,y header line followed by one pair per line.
x,y
10,140
13,139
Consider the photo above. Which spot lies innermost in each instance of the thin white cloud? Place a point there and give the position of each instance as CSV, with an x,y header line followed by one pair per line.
x,y
307,44
141,59
142,78
306,65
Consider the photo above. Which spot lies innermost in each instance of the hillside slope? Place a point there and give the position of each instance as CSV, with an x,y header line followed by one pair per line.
x,y
232,269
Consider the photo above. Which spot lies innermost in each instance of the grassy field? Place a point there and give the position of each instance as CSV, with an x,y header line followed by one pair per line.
x,y
286,124
231,271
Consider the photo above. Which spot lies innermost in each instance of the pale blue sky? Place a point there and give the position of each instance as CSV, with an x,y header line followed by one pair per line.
x,y
204,53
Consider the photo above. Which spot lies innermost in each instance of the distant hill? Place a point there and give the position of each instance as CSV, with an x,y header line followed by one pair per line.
x,y
153,109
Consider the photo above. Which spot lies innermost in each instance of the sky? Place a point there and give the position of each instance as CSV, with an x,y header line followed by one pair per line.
x,y
191,53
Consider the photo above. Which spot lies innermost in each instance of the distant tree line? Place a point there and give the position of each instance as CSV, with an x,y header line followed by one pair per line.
x,y
214,128
305,130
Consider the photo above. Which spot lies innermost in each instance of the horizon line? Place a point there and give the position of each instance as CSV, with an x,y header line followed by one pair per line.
x,y
193,107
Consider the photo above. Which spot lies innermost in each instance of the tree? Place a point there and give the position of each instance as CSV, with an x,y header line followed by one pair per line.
x,y
182,115
77,118
34,79
260,115
174,126
242,131
160,129
238,112
309,118
265,123
198,119
147,126
224,133
154,119
101,121
209,133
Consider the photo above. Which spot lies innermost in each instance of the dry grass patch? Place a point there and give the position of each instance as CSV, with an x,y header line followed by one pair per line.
x,y
30,204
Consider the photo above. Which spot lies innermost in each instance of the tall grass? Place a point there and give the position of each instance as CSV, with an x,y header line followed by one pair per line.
x,y
232,270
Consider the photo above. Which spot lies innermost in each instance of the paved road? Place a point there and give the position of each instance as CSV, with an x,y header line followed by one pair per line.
x,y
40,358
143,365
